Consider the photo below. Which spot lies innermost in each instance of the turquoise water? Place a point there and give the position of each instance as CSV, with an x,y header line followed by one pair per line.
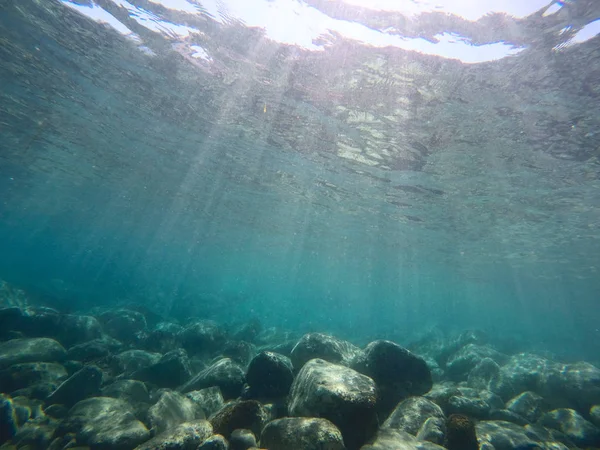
x,y
426,169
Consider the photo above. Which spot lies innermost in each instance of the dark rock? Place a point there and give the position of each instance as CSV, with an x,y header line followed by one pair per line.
x,y
553,439
215,442
204,337
131,361
322,346
460,433
73,329
172,409
185,436
269,375
92,350
56,411
505,436
467,358
170,371
248,414
574,385
432,430
249,332
595,415
391,439
474,407
132,391
18,351
573,425
103,422
84,383
441,394
397,372
225,374
8,419
522,372
411,414
339,394
528,405
240,352
164,337
507,416
301,433
210,400
242,439
34,435
124,324
28,409
20,376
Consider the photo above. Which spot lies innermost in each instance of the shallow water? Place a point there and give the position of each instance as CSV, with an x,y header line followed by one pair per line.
x,y
404,170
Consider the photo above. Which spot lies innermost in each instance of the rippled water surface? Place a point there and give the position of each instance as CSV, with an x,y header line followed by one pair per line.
x,y
363,167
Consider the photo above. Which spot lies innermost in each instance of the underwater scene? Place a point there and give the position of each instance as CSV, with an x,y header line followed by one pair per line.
x,y
300,224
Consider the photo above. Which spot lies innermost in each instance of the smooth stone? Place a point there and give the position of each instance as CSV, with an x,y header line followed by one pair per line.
x,y
461,363
185,436
225,374
124,324
411,415
84,383
322,346
8,418
215,442
301,433
210,400
130,361
248,414
573,425
528,405
504,435
269,375
203,337
172,409
391,439
20,376
170,371
242,439
132,391
18,351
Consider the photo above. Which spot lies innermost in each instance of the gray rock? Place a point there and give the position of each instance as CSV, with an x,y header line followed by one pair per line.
x,y
391,439
528,405
170,371
339,394
411,414
185,436
504,436
103,422
215,442
248,414
301,433
8,418
573,425
18,351
484,374
203,337
92,350
34,435
164,337
441,394
242,439
209,400
578,385
124,324
240,352
225,374
523,372
269,375
75,329
474,407
507,416
397,372
467,358
171,409
20,376
322,346
84,383
595,415
433,430
132,391
130,361
548,436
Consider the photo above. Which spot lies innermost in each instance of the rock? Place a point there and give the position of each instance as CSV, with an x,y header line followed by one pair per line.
x,y
20,376
132,391
239,351
34,435
248,414
484,374
8,419
269,375
164,337
18,351
124,324
130,361
203,337
595,415
185,436
397,372
84,383
209,400
441,394
578,384
215,442
504,436
474,407
507,416
301,433
103,422
172,409
170,371
242,439
522,372
460,433
74,329
528,405
322,346
411,414
467,358
433,430
249,332
391,439
92,350
339,394
56,411
551,438
225,374
573,425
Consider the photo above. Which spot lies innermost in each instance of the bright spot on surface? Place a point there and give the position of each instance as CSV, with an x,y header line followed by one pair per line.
x,y
199,52
591,30
553,9
101,16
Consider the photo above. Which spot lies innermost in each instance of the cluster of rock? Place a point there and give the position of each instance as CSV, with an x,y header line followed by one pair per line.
x,y
122,379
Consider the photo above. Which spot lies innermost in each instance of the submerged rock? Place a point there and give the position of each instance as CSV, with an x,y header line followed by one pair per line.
x,y
203,337
225,374
573,425
528,405
214,442
103,422
210,400
185,436
461,363
164,337
242,439
130,361
8,419
412,414
132,391
248,414
301,433
391,439
20,376
269,375
322,346
124,324
504,436
339,394
95,349
84,383
18,351
172,409
397,372
170,371
460,433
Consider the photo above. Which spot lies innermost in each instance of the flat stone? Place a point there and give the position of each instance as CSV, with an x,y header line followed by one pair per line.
x,y
301,433
18,351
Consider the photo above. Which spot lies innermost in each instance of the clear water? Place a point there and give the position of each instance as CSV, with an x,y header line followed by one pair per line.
x,y
362,168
